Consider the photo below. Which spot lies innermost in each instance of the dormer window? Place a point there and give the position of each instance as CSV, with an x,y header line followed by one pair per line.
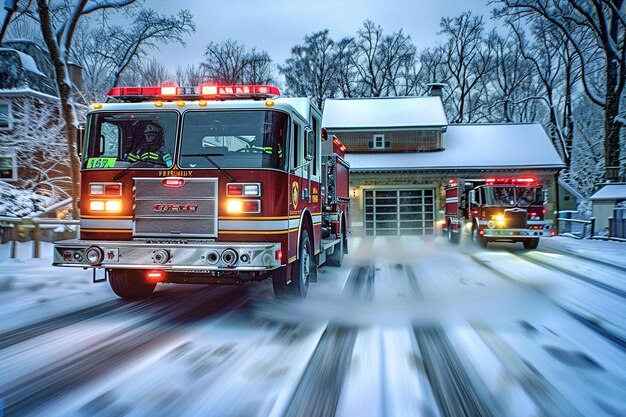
x,y
378,142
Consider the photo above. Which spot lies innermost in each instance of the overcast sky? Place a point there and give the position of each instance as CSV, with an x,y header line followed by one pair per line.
x,y
277,25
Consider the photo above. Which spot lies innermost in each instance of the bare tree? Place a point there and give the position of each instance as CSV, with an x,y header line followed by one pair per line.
x,y
259,70
11,7
346,70
37,139
153,72
511,81
556,69
122,47
59,37
190,75
312,69
602,22
229,62
469,60
434,69
379,59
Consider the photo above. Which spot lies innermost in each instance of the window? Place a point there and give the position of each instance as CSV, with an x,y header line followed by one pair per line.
x,y
378,142
297,160
8,168
117,140
234,139
317,133
5,115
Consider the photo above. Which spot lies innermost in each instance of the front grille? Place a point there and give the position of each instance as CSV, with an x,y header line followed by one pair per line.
x,y
515,218
186,211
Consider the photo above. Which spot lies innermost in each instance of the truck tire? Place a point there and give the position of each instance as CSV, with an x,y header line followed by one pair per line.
x,y
531,243
302,271
336,259
478,239
452,237
129,284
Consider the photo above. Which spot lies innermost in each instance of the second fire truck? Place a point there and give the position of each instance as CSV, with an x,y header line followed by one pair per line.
x,y
213,184
496,209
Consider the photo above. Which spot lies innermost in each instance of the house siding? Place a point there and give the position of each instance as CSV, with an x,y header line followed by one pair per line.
x,y
410,140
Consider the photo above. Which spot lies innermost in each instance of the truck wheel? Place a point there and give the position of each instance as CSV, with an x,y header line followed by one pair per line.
x,y
478,239
301,272
531,243
130,285
452,237
336,259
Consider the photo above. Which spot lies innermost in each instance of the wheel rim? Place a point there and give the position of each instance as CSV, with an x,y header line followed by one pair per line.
x,y
449,231
475,235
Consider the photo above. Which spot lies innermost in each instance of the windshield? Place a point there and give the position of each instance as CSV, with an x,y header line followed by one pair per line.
x,y
116,140
513,196
234,139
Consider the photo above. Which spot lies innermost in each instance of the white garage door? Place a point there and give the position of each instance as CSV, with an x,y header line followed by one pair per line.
x,y
399,212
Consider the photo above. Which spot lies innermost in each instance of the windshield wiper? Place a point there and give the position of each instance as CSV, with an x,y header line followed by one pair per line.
x,y
208,156
122,173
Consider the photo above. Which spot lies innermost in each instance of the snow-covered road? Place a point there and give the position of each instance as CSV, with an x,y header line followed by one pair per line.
x,y
407,327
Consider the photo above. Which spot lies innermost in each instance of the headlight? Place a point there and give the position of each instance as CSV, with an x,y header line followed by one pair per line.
x,y
499,220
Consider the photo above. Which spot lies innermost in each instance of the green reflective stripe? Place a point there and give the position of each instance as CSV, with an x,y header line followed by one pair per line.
x,y
265,149
132,157
167,157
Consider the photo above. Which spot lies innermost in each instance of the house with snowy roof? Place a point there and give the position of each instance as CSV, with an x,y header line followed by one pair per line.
x,y
33,156
402,152
608,205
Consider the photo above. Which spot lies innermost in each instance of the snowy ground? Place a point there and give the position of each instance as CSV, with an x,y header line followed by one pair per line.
x,y
407,327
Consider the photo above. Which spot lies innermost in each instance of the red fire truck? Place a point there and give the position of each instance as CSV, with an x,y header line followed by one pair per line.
x,y
214,184
496,209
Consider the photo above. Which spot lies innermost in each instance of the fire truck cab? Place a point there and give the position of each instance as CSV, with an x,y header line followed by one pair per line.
x,y
496,209
214,184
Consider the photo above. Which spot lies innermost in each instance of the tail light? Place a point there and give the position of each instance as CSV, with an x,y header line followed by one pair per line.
x,y
155,276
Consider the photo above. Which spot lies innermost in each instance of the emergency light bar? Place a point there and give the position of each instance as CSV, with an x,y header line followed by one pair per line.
x,y
527,180
217,92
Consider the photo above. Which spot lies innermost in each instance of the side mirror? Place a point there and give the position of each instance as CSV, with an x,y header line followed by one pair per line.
x,y
80,137
472,198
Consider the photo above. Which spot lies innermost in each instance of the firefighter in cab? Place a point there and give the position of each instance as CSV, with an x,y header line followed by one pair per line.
x,y
151,148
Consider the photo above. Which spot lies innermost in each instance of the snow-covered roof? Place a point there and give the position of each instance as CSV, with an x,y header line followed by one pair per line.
x,y
383,112
611,192
472,146
578,196
27,61
26,92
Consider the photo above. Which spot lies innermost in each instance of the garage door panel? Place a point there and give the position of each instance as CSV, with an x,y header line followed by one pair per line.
x,y
399,212
407,200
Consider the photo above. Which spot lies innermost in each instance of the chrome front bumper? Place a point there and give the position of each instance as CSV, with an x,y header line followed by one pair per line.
x,y
536,228
181,256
